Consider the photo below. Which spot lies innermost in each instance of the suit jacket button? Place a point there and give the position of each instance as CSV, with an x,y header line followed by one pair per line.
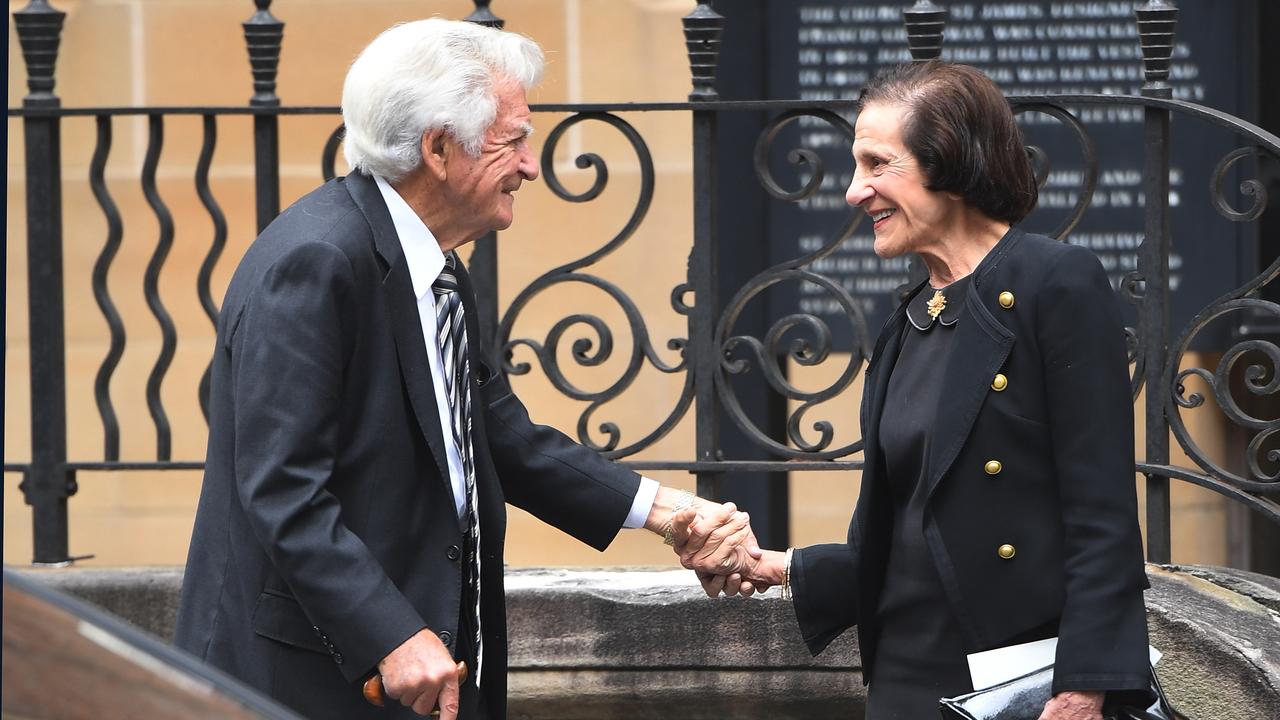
x,y
446,637
993,467
1007,552
1000,382
337,657
1006,299
453,553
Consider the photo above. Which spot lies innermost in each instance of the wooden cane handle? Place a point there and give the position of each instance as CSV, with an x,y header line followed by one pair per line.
x,y
373,691
376,694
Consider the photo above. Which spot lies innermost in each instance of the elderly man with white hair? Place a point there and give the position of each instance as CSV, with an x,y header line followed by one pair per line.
x,y
352,518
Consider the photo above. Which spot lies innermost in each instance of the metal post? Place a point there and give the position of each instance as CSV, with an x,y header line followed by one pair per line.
x,y
483,264
702,29
48,484
263,34
1156,22
925,22
482,15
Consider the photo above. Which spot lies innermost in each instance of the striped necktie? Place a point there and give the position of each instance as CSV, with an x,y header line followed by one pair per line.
x,y
451,332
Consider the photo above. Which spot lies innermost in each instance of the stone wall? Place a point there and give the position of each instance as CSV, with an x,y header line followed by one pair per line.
x,y
648,644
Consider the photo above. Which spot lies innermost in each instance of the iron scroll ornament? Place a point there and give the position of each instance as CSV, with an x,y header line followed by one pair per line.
x,y
1261,374
1258,379
809,349
1041,161
1251,187
596,349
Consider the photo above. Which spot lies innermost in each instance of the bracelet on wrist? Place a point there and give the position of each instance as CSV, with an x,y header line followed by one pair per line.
x,y
786,574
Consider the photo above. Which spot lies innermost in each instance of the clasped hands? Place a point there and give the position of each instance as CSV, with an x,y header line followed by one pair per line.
x,y
716,542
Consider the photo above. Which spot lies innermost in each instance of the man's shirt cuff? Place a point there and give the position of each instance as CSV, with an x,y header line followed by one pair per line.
x,y
642,503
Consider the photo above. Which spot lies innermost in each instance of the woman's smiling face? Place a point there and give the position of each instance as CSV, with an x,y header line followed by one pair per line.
x,y
889,185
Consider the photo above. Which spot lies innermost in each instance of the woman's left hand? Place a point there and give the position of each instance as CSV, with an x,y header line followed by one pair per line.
x,y
1073,705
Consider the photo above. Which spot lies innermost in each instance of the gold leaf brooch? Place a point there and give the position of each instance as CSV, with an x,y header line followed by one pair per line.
x,y
937,304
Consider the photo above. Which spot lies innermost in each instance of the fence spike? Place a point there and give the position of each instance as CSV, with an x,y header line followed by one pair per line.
x,y
263,34
482,15
925,23
702,29
1157,20
39,27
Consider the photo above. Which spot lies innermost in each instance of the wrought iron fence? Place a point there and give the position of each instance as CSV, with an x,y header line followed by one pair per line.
x,y
711,356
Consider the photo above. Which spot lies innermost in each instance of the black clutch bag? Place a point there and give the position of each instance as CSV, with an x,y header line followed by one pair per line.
x,y
1024,698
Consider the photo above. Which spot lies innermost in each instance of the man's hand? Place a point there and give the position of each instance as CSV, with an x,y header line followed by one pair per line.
x,y
1074,705
713,540
716,539
421,674
720,547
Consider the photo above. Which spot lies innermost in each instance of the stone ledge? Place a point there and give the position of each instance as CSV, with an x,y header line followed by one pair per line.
x,y
647,643
146,597
1222,647
652,619
686,694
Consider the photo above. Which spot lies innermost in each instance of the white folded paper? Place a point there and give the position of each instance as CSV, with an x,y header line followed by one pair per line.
x,y
992,667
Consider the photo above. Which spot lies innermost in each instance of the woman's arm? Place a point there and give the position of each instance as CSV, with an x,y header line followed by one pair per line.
x,y
1103,634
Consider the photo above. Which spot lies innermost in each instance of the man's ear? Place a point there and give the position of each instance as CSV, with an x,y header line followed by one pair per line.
x,y
435,153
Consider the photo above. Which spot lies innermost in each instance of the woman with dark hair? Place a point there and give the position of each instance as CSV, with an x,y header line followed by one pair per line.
x,y
998,500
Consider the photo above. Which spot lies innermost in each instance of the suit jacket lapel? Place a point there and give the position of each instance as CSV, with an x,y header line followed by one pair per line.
x,y
406,324
980,347
879,369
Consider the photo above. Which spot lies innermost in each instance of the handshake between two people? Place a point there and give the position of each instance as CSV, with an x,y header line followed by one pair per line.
x,y
716,542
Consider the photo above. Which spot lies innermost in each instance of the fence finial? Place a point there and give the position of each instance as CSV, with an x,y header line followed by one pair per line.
x,y
702,29
482,15
925,22
39,29
263,33
1156,22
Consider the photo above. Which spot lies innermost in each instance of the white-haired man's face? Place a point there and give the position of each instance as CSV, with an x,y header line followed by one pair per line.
x,y
481,188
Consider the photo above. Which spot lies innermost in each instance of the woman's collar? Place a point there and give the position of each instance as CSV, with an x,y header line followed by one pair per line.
x,y
940,305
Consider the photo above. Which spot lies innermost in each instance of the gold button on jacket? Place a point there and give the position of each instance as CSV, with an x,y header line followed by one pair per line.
x,y
1007,551
1006,299
1000,382
994,467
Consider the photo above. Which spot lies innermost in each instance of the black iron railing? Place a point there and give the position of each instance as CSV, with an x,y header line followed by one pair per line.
x,y
710,356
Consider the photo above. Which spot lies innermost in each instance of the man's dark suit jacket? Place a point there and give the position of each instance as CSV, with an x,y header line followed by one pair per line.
x,y
1065,497
326,532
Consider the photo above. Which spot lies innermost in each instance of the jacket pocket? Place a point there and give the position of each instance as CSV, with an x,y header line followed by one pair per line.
x,y
281,619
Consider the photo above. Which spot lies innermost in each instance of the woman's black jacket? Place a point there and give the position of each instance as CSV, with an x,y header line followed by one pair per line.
x,y
1042,314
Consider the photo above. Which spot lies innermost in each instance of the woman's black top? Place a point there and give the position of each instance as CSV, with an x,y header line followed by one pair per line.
x,y
920,653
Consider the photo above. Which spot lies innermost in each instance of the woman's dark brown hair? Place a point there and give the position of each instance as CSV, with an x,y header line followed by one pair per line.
x,y
961,130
